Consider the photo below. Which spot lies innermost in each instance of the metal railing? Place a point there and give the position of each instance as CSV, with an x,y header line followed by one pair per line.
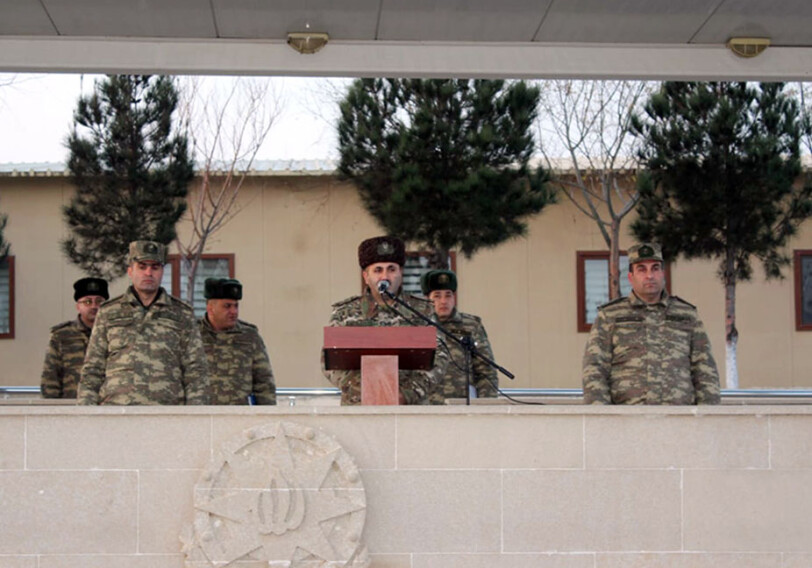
x,y
729,394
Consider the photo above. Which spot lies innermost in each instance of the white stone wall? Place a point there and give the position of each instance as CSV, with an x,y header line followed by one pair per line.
x,y
487,486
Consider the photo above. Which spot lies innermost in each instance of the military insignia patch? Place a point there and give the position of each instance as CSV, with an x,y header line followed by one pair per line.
x,y
385,248
646,251
443,279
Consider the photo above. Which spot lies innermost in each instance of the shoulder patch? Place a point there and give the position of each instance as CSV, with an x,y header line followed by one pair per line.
x,y
347,301
420,299
179,302
62,325
612,303
678,299
248,325
470,317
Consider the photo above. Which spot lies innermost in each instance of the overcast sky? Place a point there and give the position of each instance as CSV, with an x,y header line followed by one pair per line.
x,y
36,114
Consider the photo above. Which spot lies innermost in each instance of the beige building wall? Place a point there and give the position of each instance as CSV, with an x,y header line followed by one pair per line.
x,y
295,241
497,487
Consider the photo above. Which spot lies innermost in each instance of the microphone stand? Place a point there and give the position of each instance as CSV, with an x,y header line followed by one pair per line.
x,y
467,344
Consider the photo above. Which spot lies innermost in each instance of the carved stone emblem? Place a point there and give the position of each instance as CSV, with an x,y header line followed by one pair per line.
x,y
281,495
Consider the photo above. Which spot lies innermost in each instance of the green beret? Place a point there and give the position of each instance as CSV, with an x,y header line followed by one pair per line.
x,y
90,287
222,289
147,250
438,280
645,251
381,249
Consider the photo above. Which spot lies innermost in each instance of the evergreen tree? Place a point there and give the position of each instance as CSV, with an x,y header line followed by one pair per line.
x,y
723,181
131,170
4,245
444,163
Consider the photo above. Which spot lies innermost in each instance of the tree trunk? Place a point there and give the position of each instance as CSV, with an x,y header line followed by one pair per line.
x,y
731,333
439,258
614,260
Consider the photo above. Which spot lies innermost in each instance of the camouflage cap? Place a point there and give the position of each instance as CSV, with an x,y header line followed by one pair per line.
x,y
223,289
438,280
381,249
147,250
645,251
90,287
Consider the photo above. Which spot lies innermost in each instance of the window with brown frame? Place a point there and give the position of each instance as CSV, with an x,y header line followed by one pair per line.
x,y
802,266
7,298
592,283
211,266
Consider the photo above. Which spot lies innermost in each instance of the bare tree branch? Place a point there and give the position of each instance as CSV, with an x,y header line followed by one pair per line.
x,y
228,126
589,122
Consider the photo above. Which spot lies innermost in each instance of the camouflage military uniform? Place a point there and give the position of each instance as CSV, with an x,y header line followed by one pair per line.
x,y
483,376
641,353
141,355
238,364
363,311
64,359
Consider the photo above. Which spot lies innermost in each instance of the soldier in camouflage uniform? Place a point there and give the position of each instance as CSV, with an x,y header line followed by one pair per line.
x,y
382,258
145,347
239,367
440,287
66,349
649,348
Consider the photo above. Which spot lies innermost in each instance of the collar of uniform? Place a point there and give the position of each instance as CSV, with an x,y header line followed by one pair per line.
x,y
81,325
636,302
160,298
455,316
369,306
207,324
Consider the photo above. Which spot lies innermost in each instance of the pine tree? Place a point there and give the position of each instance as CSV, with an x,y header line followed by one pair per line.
x,y
724,181
444,163
131,170
5,246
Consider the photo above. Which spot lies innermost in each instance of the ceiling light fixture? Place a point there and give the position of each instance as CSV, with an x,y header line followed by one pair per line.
x,y
307,42
748,46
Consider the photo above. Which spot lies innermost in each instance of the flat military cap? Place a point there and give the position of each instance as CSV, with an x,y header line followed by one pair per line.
x,y
438,280
90,287
381,249
147,250
223,289
645,251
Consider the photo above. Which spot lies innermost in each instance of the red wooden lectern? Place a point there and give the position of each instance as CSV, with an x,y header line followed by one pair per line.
x,y
379,352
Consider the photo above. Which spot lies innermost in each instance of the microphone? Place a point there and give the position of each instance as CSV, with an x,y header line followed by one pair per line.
x,y
383,286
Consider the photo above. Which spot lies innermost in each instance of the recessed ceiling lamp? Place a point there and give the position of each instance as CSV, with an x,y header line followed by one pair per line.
x,y
748,46
307,42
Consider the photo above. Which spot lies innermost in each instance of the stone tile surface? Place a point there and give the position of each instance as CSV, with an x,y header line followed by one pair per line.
x,y
165,507
432,511
12,442
797,561
118,442
504,561
748,511
370,440
688,560
390,561
112,561
18,561
581,511
483,441
68,512
663,441
791,439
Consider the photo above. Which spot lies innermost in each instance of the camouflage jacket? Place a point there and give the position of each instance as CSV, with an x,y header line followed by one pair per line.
x,y
64,359
454,382
238,364
364,311
641,353
141,355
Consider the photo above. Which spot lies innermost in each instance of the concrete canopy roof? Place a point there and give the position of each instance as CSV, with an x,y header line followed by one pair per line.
x,y
655,39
